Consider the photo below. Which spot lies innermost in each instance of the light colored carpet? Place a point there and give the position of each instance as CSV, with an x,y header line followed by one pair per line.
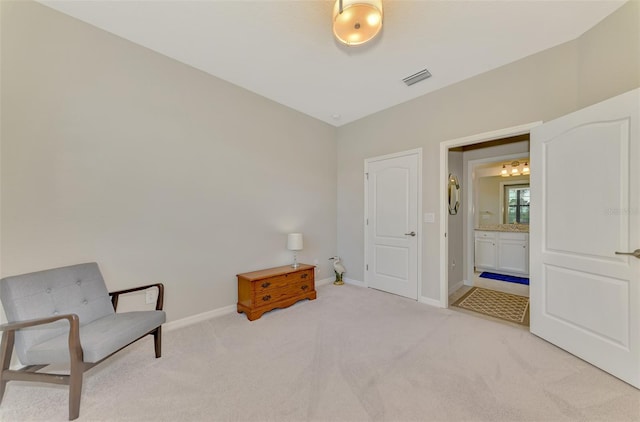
x,y
353,354
513,308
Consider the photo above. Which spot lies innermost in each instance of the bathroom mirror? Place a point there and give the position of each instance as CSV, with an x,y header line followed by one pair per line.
x,y
454,194
502,200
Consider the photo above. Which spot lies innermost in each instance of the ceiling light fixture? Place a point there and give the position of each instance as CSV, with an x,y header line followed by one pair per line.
x,y
356,21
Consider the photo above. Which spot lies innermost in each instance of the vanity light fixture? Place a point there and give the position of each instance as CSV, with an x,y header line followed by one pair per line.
x,y
356,21
515,165
515,169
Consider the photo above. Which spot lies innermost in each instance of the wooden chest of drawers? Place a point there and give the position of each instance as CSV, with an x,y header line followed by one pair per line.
x,y
264,290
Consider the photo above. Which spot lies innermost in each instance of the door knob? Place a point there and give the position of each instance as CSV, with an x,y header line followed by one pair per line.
x,y
410,234
635,253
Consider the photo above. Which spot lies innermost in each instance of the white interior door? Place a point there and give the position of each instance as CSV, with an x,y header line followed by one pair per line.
x,y
392,231
585,185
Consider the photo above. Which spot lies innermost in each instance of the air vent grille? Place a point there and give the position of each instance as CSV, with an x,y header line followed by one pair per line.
x,y
417,77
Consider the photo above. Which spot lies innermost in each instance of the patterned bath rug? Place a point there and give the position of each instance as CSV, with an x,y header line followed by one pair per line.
x,y
506,306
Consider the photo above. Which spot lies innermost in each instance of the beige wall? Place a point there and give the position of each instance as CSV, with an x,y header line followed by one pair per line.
x,y
540,87
159,172
609,56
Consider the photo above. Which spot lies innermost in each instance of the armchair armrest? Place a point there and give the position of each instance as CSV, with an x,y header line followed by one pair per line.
x,y
75,348
159,301
12,326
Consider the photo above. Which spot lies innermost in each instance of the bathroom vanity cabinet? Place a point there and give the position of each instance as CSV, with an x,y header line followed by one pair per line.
x,y
502,252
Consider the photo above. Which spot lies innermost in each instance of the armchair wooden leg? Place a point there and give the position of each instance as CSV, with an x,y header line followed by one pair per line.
x,y
157,341
76,368
5,359
75,390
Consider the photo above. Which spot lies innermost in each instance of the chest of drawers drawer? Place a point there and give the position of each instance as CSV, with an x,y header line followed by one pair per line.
x,y
282,281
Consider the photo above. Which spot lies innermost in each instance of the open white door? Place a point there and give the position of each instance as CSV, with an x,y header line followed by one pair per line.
x,y
391,227
585,207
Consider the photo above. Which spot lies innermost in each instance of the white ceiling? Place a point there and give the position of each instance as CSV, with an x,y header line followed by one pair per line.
x,y
285,50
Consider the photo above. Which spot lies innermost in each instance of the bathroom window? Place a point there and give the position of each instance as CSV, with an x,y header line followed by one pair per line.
x,y
516,207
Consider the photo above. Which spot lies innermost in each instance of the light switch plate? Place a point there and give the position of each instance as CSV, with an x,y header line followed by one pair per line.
x,y
429,217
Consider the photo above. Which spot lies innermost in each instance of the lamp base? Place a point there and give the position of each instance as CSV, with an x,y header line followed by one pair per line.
x,y
295,261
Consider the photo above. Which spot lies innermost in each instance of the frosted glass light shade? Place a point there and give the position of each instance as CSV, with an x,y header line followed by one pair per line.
x,y
360,20
294,242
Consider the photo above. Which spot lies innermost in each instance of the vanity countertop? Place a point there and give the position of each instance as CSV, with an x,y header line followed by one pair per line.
x,y
520,228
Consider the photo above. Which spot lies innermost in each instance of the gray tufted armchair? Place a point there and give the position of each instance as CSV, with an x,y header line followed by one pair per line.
x,y
66,315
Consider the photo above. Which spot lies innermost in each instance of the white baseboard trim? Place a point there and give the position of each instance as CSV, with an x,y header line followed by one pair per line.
x,y
456,286
354,282
429,301
226,310
324,281
194,319
468,283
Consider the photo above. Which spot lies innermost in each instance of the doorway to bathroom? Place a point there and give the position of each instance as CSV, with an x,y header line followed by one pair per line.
x,y
491,222
490,240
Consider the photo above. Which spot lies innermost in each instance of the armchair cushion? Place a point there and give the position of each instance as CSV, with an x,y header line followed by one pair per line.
x,y
99,338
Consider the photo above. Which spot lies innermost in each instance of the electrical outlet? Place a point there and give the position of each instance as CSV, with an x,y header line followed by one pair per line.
x,y
150,296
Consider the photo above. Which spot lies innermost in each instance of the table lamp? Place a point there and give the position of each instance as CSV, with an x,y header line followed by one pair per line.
x,y
294,243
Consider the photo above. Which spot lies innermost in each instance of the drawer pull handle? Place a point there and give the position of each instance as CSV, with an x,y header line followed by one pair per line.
x,y
266,298
266,284
304,287
305,275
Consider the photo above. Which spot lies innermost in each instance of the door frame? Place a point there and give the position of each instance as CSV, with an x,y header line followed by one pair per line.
x,y
418,153
444,210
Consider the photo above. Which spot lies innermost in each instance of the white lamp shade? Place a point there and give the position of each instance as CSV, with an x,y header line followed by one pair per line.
x,y
294,241
360,20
